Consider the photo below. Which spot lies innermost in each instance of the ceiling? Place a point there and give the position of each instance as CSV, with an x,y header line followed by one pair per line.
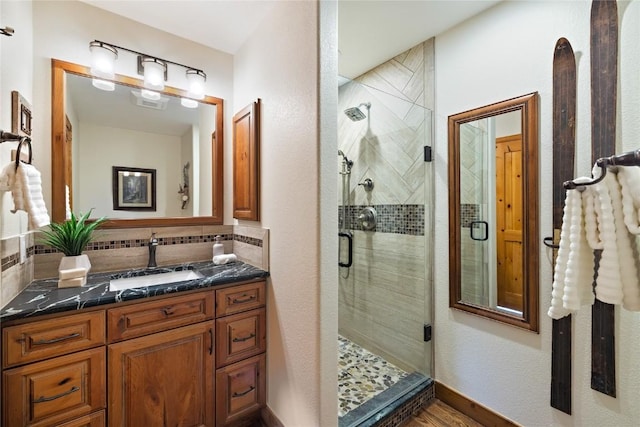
x,y
369,31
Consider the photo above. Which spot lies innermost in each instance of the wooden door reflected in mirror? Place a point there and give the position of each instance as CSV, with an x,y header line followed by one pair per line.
x,y
493,211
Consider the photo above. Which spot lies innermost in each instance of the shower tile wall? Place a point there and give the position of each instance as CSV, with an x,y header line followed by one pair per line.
x,y
383,301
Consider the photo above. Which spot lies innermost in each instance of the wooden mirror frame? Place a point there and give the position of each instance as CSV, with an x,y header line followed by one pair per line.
x,y
528,105
58,161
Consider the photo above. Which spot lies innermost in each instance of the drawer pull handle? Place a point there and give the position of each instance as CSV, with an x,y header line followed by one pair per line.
x,y
168,311
244,339
211,338
58,396
54,340
240,301
249,390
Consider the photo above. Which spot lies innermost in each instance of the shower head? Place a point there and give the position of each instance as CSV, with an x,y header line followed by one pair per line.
x,y
357,113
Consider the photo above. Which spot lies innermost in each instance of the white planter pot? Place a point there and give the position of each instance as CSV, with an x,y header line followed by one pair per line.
x,y
73,271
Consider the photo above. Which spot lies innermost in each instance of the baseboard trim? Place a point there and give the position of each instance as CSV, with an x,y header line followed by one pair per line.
x,y
468,407
269,419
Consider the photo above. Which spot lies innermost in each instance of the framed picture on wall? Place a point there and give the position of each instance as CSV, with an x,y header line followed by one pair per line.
x,y
20,115
134,189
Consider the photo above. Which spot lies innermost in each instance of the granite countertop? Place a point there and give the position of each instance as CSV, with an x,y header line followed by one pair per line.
x,y
42,297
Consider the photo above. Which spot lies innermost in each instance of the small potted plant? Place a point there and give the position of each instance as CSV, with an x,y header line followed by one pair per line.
x,y
71,238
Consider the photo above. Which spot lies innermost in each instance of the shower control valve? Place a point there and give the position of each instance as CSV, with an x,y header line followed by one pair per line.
x,y
367,218
367,184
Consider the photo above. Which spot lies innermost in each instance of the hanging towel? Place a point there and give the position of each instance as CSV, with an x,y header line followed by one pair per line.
x,y
617,277
573,272
25,184
7,176
629,179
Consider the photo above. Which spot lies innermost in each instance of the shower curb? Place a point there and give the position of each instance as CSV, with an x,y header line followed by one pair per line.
x,y
393,406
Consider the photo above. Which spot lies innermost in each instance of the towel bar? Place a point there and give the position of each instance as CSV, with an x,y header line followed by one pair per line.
x,y
631,158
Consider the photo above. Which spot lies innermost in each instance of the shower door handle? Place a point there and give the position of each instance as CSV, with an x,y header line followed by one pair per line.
x,y
350,240
485,234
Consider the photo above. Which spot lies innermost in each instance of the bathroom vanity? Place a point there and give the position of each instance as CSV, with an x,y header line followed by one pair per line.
x,y
190,353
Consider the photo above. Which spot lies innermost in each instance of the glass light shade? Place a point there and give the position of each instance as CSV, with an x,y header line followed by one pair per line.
x,y
149,94
189,103
195,80
104,85
103,58
153,73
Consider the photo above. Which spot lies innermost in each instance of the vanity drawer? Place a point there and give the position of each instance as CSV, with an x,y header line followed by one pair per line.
x,y
97,419
240,298
55,390
240,336
155,316
240,390
43,339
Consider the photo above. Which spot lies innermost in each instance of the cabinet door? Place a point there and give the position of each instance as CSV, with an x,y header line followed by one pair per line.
x,y
55,390
163,379
246,162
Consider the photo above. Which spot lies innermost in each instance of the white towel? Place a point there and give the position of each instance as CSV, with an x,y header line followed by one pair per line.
x,y
7,176
629,179
573,272
224,259
25,184
617,281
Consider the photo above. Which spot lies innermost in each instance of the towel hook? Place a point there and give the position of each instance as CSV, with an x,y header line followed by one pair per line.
x,y
27,140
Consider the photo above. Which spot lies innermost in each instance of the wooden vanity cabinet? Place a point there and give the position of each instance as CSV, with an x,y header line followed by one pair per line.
x,y
196,359
54,371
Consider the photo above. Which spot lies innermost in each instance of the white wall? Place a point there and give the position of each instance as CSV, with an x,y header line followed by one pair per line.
x,y
63,30
16,57
279,64
102,147
505,52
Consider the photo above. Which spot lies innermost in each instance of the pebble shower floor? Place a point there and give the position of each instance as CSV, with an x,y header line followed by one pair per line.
x,y
361,375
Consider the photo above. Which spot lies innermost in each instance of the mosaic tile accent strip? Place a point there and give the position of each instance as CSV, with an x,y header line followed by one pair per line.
x,y
14,259
361,375
397,219
469,212
250,240
162,241
410,408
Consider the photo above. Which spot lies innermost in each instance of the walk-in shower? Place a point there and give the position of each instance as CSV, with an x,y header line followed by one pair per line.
x,y
385,266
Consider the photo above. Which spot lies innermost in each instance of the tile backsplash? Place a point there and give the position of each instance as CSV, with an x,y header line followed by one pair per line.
x,y
119,249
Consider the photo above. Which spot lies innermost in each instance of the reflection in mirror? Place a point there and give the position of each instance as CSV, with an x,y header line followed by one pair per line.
x,y
95,130
493,211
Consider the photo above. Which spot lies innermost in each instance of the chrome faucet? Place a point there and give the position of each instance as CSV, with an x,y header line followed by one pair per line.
x,y
153,243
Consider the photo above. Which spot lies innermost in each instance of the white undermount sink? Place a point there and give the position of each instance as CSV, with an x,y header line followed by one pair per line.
x,y
153,279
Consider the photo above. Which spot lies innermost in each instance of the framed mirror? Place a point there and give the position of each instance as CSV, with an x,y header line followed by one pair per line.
x,y
95,130
493,211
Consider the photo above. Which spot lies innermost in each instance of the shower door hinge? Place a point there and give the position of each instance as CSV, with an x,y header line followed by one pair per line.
x,y
427,333
427,153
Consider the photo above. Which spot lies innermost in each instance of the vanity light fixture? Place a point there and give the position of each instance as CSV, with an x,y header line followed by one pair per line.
x,y
153,69
150,94
189,103
154,73
196,79
103,59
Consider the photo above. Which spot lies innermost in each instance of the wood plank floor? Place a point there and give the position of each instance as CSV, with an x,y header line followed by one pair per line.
x,y
438,414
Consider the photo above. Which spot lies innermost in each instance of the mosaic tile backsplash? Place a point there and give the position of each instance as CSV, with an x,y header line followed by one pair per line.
x,y
397,219
162,241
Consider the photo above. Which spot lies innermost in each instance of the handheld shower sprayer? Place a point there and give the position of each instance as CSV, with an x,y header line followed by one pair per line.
x,y
346,163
